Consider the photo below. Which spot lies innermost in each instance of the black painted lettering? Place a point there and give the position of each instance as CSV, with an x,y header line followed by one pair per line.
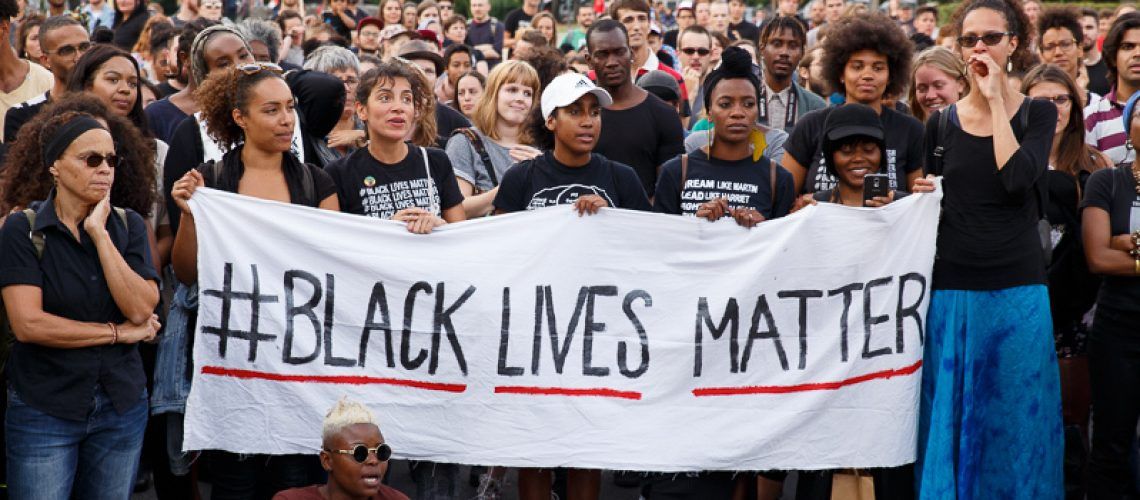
x,y
561,349
406,334
505,338
536,348
802,297
330,308
442,325
847,292
910,311
590,327
643,338
763,311
870,321
731,318
292,311
378,301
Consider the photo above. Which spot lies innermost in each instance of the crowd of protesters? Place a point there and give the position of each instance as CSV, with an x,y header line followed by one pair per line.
x,y
114,112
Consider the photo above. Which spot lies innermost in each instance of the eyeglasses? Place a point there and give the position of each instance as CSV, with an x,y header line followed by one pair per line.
x,y
1060,100
1063,45
70,50
694,50
360,452
251,69
93,160
990,39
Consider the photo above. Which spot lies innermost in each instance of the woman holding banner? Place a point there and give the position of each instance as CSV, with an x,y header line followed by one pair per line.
x,y
990,412
249,112
80,290
1111,227
568,173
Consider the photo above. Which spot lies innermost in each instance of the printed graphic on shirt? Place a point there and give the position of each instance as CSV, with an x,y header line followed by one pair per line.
x,y
697,191
565,194
384,200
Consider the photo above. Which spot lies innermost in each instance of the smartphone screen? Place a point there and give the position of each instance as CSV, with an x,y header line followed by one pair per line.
x,y
875,185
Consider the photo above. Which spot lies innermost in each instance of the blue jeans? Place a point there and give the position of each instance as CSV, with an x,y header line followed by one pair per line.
x,y
51,458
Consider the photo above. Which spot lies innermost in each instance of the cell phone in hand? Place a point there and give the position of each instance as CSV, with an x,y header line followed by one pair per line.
x,y
875,185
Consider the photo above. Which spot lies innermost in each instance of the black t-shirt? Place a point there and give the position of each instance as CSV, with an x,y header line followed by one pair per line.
x,y
987,236
902,156
1114,191
163,118
516,19
447,120
643,137
229,172
744,31
1098,78
165,89
742,183
544,182
368,187
16,117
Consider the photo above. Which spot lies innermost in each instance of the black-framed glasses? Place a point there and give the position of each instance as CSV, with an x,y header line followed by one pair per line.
x,y
254,68
990,39
1063,45
93,160
70,50
696,50
360,452
1059,100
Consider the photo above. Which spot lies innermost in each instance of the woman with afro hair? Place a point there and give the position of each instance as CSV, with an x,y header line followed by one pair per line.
x,y
864,58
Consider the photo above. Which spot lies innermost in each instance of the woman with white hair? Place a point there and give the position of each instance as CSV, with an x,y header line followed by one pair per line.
x,y
348,134
354,454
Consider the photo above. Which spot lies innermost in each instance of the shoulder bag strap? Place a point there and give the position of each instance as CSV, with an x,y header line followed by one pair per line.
x,y
37,237
940,139
684,176
481,149
772,185
435,208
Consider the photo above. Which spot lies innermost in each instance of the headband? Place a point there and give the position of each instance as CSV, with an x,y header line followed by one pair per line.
x,y
67,134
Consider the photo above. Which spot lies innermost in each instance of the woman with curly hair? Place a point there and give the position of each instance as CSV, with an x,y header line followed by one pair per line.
x,y
80,291
990,410
865,58
24,181
391,100
500,137
248,110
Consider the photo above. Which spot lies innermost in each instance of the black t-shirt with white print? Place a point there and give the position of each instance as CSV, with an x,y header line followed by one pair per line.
x,y
903,155
366,186
543,182
743,184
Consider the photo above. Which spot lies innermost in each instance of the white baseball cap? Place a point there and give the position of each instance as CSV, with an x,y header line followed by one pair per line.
x,y
567,88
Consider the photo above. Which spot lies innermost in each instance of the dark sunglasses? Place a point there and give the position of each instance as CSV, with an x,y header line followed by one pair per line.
x,y
360,452
70,50
694,50
990,39
254,68
93,160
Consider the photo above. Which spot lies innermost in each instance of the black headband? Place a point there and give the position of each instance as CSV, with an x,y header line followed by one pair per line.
x,y
67,134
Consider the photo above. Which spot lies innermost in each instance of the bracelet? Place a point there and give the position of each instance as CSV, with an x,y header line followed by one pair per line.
x,y
114,333
1137,266
1135,252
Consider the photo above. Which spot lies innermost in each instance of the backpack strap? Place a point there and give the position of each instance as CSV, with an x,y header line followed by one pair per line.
x,y
37,237
435,209
940,136
684,177
481,149
772,184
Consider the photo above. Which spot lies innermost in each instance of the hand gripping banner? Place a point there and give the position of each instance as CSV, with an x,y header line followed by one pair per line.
x,y
624,340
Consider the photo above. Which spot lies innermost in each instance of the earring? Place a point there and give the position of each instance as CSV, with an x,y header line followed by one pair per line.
x,y
712,134
1009,66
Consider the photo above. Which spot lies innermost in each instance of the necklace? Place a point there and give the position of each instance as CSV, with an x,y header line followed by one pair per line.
x,y
1136,177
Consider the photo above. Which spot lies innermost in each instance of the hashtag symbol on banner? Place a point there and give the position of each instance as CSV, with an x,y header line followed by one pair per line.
x,y
228,296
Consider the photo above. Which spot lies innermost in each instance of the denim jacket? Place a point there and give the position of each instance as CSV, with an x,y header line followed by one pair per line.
x,y
173,366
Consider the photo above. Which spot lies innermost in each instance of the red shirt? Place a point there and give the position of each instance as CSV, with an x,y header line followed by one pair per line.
x,y
314,493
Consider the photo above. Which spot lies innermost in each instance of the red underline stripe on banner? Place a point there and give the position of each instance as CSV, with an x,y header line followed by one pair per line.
x,y
818,386
563,391
332,379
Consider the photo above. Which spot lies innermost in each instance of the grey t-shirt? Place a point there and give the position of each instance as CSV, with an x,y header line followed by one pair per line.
x,y
774,137
468,165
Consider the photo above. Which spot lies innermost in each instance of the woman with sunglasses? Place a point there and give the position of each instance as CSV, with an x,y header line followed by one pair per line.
x,y
248,110
990,411
355,455
865,58
500,138
79,289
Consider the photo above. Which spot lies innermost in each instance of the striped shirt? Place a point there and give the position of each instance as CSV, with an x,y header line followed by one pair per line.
x,y
1104,129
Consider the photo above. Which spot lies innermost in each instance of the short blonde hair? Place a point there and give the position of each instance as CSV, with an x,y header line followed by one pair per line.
x,y
486,114
343,414
941,59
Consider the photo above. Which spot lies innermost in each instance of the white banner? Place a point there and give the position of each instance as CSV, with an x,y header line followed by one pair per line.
x,y
623,340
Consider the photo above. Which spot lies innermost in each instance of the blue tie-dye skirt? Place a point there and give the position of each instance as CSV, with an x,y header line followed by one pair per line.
x,y
990,415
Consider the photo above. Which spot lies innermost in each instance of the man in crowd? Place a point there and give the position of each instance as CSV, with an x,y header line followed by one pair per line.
x,y
1105,130
99,13
816,13
63,39
426,56
20,80
58,8
739,28
926,20
1094,62
639,129
368,36
685,18
694,51
701,12
832,11
718,18
485,33
1060,35
292,36
782,100
519,18
575,39
634,16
